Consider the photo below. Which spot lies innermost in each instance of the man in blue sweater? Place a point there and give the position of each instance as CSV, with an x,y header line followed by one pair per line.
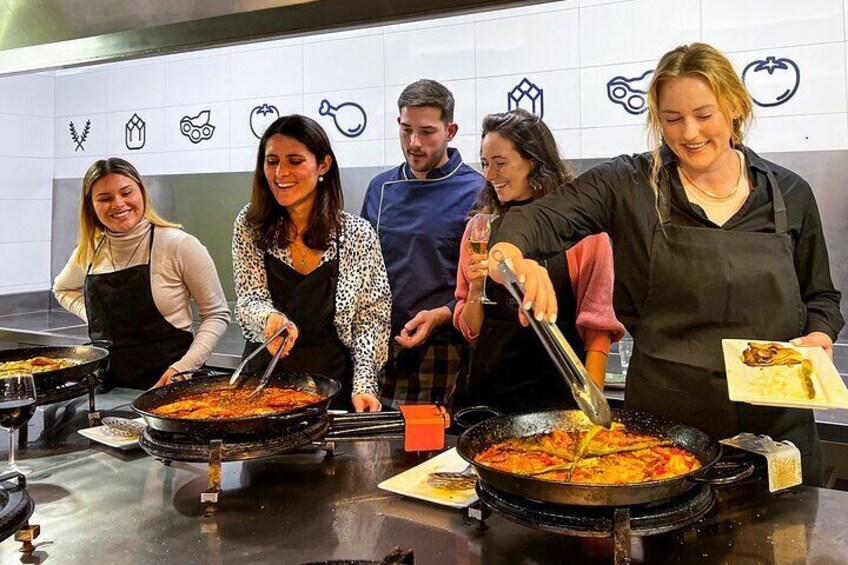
x,y
419,210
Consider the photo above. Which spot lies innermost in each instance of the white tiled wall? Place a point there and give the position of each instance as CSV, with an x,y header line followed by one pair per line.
x,y
569,50
26,182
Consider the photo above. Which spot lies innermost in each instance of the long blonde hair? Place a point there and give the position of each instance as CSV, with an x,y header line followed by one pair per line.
x,y
713,66
91,228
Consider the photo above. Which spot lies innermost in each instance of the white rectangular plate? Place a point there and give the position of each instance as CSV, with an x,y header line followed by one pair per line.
x,y
102,434
413,482
751,384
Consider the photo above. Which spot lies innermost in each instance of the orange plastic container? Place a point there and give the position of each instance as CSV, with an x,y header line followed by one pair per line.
x,y
425,426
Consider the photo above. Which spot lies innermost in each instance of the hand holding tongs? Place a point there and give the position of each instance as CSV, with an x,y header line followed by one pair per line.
x,y
266,376
237,373
586,393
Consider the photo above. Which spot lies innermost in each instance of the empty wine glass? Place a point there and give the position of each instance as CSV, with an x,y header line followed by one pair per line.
x,y
481,230
17,405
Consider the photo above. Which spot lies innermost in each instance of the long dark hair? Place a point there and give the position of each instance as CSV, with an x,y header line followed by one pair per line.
x,y
270,221
533,140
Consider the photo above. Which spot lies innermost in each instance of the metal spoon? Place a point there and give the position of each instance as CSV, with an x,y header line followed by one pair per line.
x,y
451,480
123,427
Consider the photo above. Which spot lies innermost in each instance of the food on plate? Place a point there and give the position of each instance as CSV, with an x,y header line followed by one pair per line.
x,y
591,456
783,372
807,378
38,365
235,403
789,383
770,354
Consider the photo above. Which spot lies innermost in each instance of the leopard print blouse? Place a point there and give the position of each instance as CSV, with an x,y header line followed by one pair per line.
x,y
363,298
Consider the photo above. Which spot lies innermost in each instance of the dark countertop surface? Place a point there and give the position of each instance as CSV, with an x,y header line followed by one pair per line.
x,y
100,505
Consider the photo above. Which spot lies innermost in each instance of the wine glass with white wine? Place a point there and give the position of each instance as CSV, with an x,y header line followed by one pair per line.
x,y
479,234
17,405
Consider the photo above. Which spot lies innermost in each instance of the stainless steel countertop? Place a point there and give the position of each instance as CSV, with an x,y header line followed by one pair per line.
x,y
100,505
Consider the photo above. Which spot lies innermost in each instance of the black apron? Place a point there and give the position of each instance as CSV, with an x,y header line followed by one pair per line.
x,y
510,369
310,302
706,284
120,309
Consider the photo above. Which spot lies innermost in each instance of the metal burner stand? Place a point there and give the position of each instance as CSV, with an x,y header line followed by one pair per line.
x,y
73,389
592,521
16,511
168,448
315,433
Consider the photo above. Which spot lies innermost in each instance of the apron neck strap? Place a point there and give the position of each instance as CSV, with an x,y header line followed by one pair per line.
x,y
781,222
96,251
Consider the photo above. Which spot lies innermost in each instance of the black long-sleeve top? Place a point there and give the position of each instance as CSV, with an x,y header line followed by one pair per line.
x,y
616,197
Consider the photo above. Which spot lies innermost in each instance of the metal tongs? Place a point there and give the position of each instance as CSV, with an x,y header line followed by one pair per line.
x,y
586,393
236,377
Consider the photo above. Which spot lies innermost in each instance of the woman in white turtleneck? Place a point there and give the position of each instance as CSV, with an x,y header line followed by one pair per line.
x,y
131,278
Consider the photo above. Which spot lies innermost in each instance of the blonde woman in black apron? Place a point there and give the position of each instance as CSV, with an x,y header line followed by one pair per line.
x,y
132,277
710,241
300,261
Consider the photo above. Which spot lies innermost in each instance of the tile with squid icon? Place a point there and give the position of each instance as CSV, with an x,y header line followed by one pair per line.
x,y
528,96
197,128
630,93
135,133
348,117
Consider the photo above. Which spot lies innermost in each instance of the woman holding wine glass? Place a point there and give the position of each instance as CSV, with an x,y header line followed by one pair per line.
x,y
509,367
17,405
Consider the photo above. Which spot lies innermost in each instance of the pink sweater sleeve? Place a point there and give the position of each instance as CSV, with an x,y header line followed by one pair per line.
x,y
591,270
461,292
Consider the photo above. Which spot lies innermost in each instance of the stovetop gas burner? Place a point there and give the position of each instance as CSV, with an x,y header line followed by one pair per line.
x,y
16,506
174,447
599,521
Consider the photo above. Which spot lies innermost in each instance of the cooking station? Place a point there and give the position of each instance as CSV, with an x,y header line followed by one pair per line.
x,y
97,504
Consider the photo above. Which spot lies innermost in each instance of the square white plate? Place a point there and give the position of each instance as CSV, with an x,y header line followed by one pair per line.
x,y
413,482
745,384
106,436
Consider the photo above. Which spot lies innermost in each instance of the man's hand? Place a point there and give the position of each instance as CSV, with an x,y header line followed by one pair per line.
x,y
366,403
816,339
418,329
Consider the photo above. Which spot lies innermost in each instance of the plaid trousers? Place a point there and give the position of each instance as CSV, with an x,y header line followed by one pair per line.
x,y
425,374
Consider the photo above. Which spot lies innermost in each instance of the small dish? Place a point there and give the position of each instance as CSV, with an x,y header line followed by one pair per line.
x,y
106,436
413,482
779,385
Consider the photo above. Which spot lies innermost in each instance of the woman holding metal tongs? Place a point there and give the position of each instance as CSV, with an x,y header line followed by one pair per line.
x,y
710,241
303,265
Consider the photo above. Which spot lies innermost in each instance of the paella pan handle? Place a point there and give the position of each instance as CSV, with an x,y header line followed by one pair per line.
x,y
586,393
103,343
307,413
471,415
723,473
